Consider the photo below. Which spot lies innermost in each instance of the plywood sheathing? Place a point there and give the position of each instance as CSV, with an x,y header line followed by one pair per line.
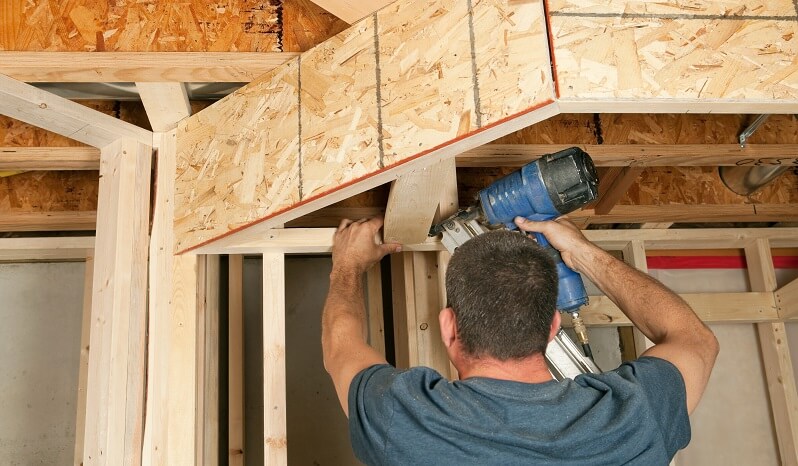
x,y
305,25
645,51
427,85
138,26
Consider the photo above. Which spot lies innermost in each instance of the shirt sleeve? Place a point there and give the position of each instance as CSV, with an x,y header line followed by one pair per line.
x,y
371,409
664,388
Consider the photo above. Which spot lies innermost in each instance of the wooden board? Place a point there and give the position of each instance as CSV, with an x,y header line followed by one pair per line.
x,y
710,55
426,79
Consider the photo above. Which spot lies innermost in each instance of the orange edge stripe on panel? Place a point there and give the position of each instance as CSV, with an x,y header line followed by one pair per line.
x,y
357,180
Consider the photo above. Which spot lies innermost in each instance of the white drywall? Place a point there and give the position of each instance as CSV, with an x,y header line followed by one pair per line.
x,y
41,307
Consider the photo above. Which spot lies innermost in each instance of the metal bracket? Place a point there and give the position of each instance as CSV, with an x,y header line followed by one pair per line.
x,y
751,128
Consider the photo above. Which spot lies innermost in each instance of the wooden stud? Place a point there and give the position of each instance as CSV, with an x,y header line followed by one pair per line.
x,y
375,309
49,158
83,371
48,111
635,255
691,213
178,67
430,350
404,312
775,356
114,405
166,103
207,423
656,225
235,365
274,404
636,155
787,300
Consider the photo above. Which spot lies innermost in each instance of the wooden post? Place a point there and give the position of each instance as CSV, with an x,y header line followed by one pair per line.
x,y
115,393
207,425
236,360
275,449
634,254
775,356
83,374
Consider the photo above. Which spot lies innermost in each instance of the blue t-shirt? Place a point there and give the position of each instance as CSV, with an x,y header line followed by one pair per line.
x,y
636,414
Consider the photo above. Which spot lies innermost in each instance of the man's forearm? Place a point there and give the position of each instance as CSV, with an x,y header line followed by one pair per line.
x,y
653,309
344,314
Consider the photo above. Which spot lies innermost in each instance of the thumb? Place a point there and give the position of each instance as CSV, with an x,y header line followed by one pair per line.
x,y
390,248
529,225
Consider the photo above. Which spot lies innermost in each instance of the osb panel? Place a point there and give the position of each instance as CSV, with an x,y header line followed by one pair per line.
x,y
702,185
306,24
140,25
708,50
509,81
339,111
49,191
427,79
425,101
238,160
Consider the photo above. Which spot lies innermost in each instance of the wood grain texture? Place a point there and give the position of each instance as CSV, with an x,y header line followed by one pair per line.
x,y
351,10
274,395
716,52
49,158
787,300
427,97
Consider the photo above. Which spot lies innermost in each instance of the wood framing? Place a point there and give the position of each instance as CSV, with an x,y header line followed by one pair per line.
x,y
115,395
166,103
207,386
45,249
49,158
179,67
275,449
787,300
83,371
48,111
637,155
776,357
235,342
411,97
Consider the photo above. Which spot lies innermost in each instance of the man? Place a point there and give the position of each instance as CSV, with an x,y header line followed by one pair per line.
x,y
506,409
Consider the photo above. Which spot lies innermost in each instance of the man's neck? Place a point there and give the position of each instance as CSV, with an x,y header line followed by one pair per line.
x,y
528,370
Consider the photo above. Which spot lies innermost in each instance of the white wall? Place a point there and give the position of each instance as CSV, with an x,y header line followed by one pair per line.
x,y
41,308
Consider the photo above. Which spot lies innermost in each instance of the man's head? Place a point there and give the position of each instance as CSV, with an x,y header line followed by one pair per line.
x,y
502,288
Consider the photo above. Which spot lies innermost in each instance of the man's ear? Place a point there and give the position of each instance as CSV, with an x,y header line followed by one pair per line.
x,y
448,326
555,325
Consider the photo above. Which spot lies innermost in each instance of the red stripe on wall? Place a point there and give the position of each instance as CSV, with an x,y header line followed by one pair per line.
x,y
714,262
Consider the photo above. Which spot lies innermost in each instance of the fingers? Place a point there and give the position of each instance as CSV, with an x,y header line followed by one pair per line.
x,y
390,248
344,224
529,225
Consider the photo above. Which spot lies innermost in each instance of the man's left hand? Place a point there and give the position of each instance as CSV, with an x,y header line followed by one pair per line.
x,y
356,245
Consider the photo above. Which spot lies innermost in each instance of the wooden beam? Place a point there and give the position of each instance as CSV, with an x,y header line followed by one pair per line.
x,y
48,111
207,421
179,67
49,158
776,357
352,10
787,300
712,308
691,213
319,240
620,184
83,370
274,403
115,395
45,249
634,254
412,203
48,221
375,309
361,122
166,103
404,315
235,365
426,296
637,155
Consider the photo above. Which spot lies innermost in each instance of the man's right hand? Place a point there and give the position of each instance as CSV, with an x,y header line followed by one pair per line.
x,y
566,237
